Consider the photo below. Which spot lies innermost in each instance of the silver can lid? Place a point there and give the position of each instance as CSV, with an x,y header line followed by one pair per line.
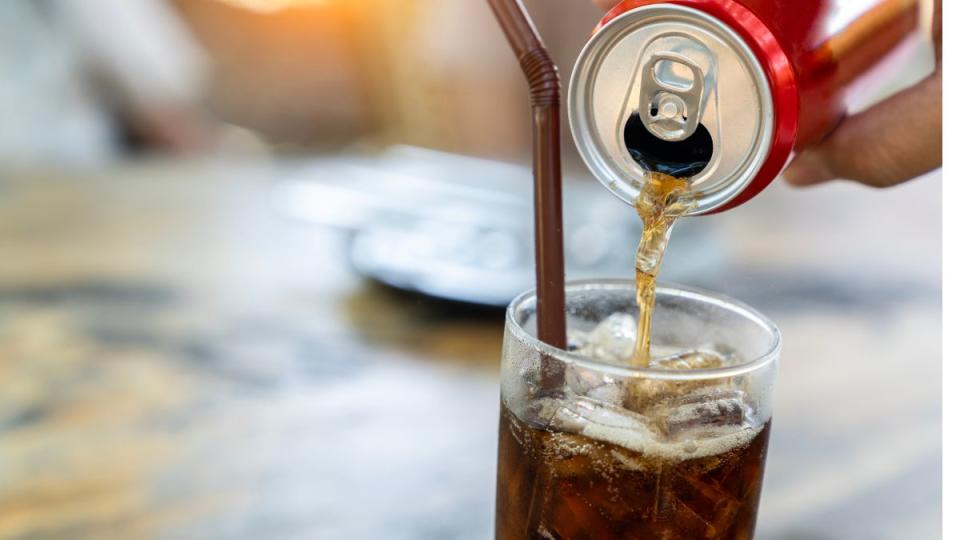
x,y
670,88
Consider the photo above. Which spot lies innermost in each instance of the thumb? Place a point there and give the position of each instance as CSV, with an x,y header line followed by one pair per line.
x,y
895,140
808,169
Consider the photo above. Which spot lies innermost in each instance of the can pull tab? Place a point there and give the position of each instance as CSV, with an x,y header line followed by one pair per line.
x,y
671,95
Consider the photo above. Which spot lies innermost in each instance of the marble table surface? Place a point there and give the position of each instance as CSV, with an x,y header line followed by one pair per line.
x,y
180,360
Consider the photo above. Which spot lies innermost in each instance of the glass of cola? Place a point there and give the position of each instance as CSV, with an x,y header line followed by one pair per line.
x,y
593,446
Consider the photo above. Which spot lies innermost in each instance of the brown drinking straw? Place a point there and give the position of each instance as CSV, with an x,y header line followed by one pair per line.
x,y
544,82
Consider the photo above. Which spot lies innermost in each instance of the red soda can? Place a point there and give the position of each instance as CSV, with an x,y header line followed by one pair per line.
x,y
720,91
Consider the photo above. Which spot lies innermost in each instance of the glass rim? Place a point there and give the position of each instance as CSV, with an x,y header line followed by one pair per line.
x,y
707,297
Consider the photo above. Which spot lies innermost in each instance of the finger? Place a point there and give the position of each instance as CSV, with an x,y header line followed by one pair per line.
x,y
807,169
889,143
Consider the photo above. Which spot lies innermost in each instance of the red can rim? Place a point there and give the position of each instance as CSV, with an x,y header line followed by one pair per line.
x,y
777,68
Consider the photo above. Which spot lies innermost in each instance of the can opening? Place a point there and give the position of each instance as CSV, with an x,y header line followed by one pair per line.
x,y
684,158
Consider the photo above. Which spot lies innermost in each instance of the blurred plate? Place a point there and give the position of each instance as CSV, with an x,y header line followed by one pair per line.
x,y
461,228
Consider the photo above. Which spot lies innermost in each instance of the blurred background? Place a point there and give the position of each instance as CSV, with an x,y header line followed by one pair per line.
x,y
254,257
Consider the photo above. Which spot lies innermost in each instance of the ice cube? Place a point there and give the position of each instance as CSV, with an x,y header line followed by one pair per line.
x,y
644,393
577,339
580,380
612,340
600,421
611,392
690,360
586,382
702,413
567,417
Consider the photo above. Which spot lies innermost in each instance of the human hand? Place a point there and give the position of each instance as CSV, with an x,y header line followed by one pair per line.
x,y
893,141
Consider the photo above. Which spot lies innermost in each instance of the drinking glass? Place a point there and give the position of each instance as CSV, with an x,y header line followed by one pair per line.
x,y
591,446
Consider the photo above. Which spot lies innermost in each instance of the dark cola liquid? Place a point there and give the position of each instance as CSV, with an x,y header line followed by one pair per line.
x,y
560,486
